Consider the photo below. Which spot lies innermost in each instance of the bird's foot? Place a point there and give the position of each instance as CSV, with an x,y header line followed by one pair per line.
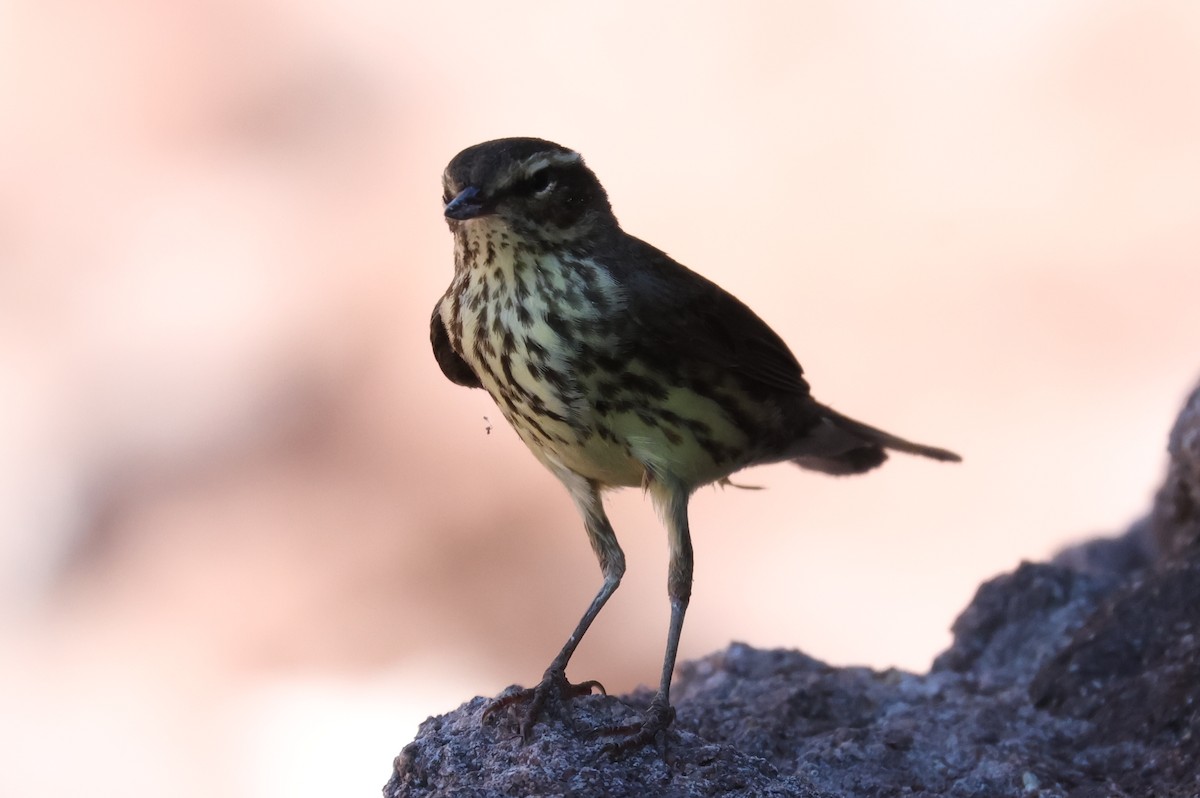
x,y
652,728
553,690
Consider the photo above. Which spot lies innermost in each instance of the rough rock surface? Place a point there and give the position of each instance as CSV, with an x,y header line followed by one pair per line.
x,y
1077,678
1175,520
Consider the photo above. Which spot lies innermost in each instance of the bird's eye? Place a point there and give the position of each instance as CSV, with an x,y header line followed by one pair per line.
x,y
540,182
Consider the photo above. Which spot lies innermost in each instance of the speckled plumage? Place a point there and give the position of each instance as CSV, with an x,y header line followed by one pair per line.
x,y
616,365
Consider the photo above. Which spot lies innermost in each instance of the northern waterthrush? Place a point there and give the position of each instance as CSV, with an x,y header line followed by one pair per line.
x,y
618,367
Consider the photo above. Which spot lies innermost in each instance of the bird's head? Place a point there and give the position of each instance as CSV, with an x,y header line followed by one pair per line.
x,y
531,186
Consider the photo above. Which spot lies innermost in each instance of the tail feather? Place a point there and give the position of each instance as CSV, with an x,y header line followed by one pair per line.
x,y
840,446
889,441
852,461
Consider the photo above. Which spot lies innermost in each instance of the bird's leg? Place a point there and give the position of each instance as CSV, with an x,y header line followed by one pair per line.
x,y
554,686
673,501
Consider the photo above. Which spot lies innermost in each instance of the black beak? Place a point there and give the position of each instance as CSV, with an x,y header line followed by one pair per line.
x,y
467,205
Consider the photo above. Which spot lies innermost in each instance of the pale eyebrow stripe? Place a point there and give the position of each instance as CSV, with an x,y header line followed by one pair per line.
x,y
540,162
537,163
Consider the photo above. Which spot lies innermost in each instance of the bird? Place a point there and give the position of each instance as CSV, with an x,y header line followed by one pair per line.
x,y
618,367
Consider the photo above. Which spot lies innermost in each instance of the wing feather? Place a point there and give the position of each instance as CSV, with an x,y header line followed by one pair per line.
x,y
694,320
452,364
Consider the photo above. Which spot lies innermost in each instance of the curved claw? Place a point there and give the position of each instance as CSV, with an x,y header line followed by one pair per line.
x,y
553,688
586,688
652,728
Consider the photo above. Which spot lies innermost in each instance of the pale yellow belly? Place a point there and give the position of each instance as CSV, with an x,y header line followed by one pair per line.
x,y
554,396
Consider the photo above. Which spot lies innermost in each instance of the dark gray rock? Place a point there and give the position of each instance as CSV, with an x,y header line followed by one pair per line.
x,y
1175,520
1133,673
1071,679
460,755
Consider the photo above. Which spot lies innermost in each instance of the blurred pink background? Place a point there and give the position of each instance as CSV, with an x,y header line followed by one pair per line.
x,y
249,535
